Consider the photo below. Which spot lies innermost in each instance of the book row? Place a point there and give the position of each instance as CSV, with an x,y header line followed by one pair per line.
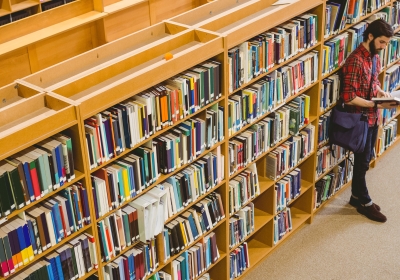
x,y
191,263
287,189
394,14
176,191
290,153
241,225
34,172
326,158
391,80
184,230
239,261
126,124
331,183
387,137
329,94
393,48
386,115
70,261
113,186
260,137
267,94
282,224
323,128
261,53
243,188
137,263
191,138
45,225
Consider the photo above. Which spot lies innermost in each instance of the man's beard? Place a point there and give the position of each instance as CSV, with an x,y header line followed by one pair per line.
x,y
372,48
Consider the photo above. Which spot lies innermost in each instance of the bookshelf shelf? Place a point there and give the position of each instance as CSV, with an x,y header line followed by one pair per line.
x,y
121,5
159,133
300,54
51,249
290,98
305,185
102,89
24,5
261,218
161,179
4,12
342,188
269,150
78,176
358,21
24,123
241,25
329,170
60,98
89,61
389,148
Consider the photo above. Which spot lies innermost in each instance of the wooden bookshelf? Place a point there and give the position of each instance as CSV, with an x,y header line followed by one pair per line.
x,y
121,61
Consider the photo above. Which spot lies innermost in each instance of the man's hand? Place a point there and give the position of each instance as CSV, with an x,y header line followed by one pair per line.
x,y
387,105
382,93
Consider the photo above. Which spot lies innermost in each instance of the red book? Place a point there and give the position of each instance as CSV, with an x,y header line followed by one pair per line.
x,y
3,267
108,236
126,267
141,263
35,179
137,266
62,220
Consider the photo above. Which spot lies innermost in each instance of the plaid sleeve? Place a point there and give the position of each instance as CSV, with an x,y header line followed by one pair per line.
x,y
352,73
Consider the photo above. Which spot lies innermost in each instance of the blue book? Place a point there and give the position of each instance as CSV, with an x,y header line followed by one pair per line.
x,y
60,164
178,199
147,254
57,216
133,265
193,227
27,239
70,213
76,206
21,238
53,265
85,204
32,236
55,229
50,272
186,265
59,267
95,202
28,181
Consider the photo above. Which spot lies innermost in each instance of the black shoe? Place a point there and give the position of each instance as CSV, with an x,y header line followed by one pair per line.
x,y
371,213
355,203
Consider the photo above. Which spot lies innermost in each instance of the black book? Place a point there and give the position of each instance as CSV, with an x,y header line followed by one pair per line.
x,y
114,196
179,234
114,234
101,246
89,145
174,242
86,254
125,124
64,265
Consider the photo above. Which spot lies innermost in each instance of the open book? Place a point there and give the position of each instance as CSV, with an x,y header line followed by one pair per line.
x,y
395,97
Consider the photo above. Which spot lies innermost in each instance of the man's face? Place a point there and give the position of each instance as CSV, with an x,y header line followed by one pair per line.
x,y
377,44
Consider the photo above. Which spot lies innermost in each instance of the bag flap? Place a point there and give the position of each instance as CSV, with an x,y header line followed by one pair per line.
x,y
344,119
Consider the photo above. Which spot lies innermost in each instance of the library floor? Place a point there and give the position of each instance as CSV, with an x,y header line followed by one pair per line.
x,y
341,243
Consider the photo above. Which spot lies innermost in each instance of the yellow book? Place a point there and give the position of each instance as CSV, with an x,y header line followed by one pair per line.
x,y
185,240
126,183
306,109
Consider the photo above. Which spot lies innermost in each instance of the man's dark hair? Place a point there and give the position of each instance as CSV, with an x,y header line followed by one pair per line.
x,y
378,28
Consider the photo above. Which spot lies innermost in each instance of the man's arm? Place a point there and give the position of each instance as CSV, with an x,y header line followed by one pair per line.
x,y
361,102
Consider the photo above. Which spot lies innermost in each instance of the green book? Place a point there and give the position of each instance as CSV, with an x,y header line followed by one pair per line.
x,y
16,185
39,164
7,198
125,222
74,264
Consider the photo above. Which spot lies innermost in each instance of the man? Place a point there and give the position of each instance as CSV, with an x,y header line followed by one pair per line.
x,y
357,75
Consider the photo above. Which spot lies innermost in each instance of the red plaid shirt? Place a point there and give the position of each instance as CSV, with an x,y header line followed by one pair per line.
x,y
357,72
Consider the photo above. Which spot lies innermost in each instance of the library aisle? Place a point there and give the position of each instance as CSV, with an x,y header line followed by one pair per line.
x,y
342,244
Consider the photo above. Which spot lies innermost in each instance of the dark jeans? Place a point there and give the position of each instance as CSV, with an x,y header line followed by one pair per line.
x,y
361,165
